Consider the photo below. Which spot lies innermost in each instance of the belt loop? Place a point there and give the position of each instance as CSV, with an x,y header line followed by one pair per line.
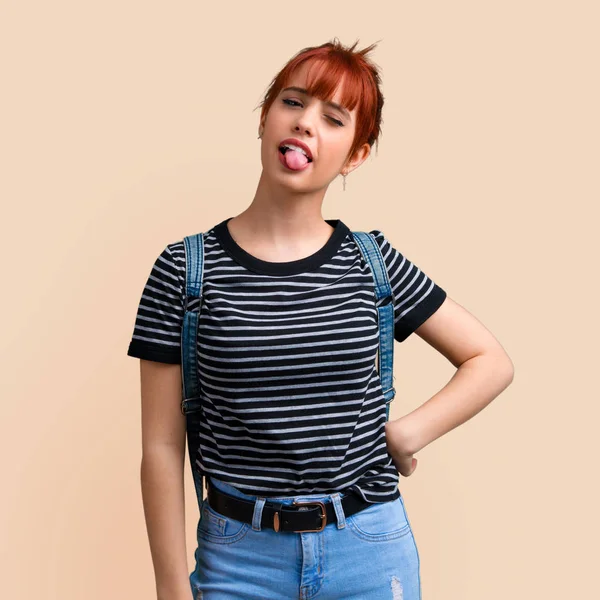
x,y
257,515
336,500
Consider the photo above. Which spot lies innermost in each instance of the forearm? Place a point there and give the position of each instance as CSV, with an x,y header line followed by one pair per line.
x,y
474,385
164,508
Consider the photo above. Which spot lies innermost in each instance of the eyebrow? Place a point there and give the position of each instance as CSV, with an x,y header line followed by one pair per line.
x,y
332,104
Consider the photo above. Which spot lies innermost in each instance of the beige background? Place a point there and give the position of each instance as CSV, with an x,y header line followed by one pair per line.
x,y
127,125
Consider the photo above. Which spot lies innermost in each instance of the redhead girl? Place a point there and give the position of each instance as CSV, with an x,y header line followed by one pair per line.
x,y
291,436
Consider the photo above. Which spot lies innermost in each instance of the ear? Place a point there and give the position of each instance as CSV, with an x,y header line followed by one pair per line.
x,y
359,157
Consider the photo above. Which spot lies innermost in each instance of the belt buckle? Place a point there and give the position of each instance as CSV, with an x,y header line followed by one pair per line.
x,y
323,515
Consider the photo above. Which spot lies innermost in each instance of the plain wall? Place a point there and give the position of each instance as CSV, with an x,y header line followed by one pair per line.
x,y
127,125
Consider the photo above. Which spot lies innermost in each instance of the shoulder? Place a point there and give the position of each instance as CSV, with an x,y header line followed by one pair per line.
x,y
171,256
175,252
379,237
388,250
168,269
374,233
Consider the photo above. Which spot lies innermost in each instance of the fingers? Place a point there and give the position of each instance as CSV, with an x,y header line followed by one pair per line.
x,y
407,466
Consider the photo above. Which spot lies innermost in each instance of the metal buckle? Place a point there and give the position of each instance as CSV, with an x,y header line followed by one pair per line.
x,y
323,515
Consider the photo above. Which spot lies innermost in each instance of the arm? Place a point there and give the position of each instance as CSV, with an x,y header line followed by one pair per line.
x,y
162,470
484,370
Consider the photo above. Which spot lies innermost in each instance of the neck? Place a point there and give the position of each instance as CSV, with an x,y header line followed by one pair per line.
x,y
279,217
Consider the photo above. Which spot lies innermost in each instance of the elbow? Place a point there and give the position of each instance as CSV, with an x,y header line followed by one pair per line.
x,y
507,368
510,369
503,367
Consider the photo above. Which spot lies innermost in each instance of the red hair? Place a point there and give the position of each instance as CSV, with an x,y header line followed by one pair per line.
x,y
361,86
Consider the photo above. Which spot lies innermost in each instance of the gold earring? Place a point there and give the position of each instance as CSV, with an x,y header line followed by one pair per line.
x,y
344,174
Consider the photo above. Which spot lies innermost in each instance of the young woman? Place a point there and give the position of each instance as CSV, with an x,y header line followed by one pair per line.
x,y
300,464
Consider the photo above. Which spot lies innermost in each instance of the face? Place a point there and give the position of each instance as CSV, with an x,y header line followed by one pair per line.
x,y
328,131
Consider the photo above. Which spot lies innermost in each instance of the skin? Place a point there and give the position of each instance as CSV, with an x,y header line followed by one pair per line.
x,y
284,221
484,370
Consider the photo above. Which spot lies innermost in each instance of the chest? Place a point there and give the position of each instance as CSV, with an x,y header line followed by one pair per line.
x,y
259,329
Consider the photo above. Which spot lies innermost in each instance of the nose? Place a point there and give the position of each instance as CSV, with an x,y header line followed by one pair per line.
x,y
304,122
303,128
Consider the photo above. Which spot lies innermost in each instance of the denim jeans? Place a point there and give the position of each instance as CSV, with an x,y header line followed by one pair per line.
x,y
370,555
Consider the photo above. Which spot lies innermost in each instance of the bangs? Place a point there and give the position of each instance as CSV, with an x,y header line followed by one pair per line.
x,y
324,77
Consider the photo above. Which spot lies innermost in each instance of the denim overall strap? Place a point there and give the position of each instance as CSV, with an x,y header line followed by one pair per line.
x,y
385,313
191,398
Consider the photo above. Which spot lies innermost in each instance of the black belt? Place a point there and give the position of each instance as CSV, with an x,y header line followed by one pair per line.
x,y
299,517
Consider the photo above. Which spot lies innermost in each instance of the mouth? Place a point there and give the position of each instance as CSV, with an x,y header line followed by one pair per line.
x,y
294,154
294,144
284,149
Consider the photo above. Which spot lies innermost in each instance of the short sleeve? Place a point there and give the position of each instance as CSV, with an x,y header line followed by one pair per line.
x,y
159,319
416,296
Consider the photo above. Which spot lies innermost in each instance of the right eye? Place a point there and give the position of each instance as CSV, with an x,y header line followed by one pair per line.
x,y
290,102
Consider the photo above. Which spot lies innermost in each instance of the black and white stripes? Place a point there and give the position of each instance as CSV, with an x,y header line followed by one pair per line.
x,y
292,400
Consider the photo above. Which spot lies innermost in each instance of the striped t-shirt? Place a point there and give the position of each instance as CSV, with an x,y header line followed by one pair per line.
x,y
291,398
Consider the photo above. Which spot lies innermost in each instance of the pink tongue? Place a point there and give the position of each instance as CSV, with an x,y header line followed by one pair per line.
x,y
295,160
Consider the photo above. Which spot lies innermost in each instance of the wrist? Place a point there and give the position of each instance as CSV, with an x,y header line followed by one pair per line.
x,y
180,592
404,435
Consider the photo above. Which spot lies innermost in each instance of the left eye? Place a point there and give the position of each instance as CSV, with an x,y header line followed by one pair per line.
x,y
296,103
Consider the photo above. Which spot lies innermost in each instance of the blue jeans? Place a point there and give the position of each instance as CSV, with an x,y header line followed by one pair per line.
x,y
370,555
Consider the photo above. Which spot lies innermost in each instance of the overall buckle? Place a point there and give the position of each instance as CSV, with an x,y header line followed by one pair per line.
x,y
323,515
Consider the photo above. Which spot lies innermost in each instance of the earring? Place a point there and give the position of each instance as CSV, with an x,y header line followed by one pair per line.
x,y
344,174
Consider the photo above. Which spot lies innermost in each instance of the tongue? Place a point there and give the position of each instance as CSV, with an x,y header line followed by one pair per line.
x,y
295,160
